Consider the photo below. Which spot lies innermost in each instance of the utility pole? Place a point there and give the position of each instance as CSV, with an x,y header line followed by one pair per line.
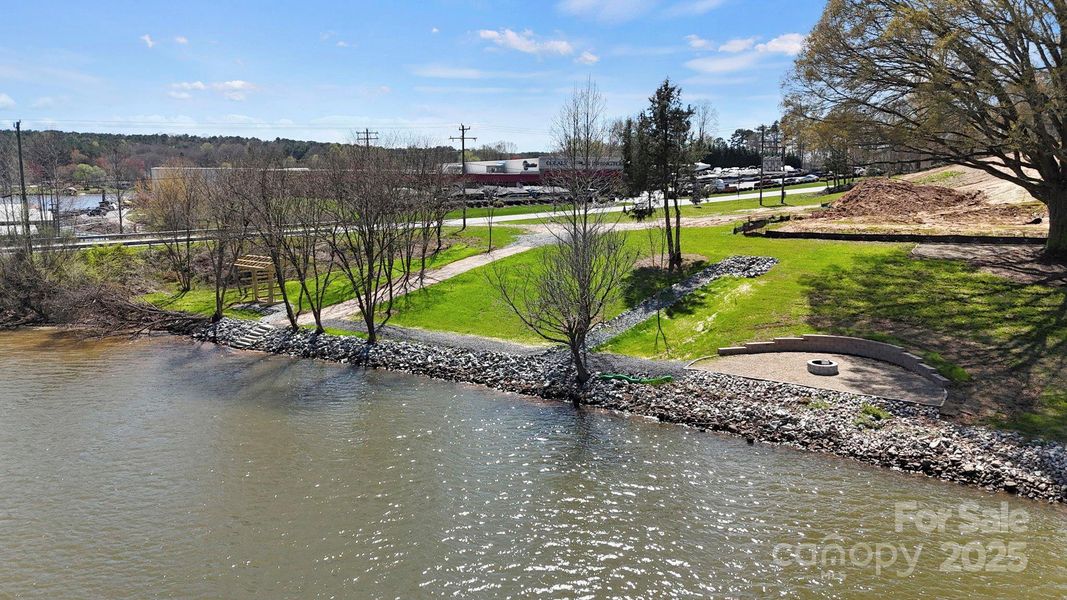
x,y
22,184
762,135
782,142
463,129
367,136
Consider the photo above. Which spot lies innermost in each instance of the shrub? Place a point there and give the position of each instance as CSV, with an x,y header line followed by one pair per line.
x,y
872,417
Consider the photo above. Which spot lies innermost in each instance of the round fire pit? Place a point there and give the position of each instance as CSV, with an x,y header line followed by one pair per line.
x,y
822,366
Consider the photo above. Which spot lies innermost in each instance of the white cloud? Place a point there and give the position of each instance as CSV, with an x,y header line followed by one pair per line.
x,y
453,89
449,72
587,58
235,89
526,42
619,11
727,64
789,43
692,7
443,72
342,44
697,42
629,50
738,45
435,30
148,41
6,101
608,11
181,39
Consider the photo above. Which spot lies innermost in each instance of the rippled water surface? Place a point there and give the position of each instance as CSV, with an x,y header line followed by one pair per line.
x,y
158,468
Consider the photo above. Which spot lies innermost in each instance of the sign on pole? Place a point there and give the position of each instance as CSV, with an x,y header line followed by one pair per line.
x,y
772,164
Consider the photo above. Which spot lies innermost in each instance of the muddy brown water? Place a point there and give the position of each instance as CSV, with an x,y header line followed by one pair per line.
x,y
161,468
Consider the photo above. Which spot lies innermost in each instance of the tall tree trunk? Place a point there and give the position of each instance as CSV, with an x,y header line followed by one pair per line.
x,y
1057,225
372,330
667,227
676,255
582,372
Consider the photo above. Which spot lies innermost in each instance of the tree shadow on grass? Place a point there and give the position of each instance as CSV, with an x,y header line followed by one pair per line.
x,y
1011,336
646,282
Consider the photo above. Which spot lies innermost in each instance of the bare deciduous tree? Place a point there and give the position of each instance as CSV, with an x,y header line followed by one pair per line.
x,y
582,272
171,207
224,213
363,186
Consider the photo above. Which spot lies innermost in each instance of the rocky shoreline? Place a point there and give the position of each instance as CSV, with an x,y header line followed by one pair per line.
x,y
885,433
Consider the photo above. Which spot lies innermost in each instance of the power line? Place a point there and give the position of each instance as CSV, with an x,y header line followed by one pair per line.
x,y
241,125
365,137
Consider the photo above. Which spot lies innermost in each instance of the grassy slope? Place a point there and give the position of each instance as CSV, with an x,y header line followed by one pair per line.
x,y
1015,334
201,300
524,209
775,303
469,304
940,308
732,311
739,208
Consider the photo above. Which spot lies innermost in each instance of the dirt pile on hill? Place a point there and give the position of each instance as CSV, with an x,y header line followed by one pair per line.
x,y
893,199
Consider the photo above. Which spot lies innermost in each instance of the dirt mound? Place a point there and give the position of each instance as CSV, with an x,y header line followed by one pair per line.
x,y
889,198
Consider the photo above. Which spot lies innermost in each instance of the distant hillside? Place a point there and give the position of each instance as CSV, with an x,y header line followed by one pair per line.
x,y
89,158
147,151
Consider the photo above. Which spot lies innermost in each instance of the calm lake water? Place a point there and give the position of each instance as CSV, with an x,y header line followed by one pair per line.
x,y
160,468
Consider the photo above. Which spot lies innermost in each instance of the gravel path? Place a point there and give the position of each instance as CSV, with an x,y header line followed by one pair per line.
x,y
439,338
350,308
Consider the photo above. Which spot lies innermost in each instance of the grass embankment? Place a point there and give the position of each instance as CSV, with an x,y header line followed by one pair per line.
x,y
469,303
1004,344
461,244
774,304
719,207
732,311
522,209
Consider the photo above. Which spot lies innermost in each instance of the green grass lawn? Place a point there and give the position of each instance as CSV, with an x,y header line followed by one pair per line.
x,y
201,299
720,207
953,315
523,209
470,304
1004,344
732,311
772,305
795,186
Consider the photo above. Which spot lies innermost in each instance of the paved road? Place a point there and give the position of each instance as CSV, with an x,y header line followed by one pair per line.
x,y
350,308
769,195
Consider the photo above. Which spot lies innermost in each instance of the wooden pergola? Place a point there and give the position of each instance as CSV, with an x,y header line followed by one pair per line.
x,y
261,270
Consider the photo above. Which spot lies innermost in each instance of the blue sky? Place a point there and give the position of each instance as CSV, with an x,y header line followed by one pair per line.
x,y
318,70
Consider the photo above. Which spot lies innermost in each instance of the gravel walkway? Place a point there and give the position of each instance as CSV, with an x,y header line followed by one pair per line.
x,y
439,338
